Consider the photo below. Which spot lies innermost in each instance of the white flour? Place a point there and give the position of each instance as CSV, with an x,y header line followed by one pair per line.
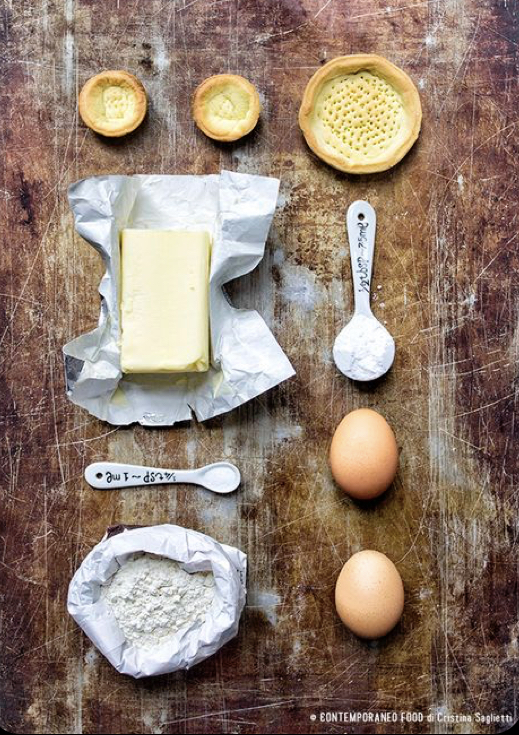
x,y
152,598
364,350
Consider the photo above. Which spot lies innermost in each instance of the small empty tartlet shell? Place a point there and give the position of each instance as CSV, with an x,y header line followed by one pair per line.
x,y
360,113
226,107
113,103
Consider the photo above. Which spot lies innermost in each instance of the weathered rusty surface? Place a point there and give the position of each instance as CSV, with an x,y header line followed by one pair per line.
x,y
448,269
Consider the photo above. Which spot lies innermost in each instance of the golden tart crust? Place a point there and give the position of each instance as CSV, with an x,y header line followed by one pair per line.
x,y
226,107
113,103
360,113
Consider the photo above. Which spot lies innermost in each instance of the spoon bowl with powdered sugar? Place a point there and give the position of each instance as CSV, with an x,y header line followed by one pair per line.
x,y
364,350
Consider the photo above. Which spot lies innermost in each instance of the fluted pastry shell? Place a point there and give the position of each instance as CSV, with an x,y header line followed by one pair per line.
x,y
226,107
113,103
360,113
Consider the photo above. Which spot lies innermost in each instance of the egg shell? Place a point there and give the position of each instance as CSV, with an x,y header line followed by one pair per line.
x,y
364,454
369,594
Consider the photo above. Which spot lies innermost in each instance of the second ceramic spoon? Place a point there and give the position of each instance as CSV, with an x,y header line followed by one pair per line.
x,y
220,477
364,349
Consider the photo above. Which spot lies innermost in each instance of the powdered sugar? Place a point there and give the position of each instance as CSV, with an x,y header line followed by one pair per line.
x,y
152,598
364,350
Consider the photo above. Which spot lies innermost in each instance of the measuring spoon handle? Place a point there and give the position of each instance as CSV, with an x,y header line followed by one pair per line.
x,y
108,475
361,222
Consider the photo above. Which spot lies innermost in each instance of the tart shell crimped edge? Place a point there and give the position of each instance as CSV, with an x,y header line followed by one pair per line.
x,y
350,65
198,103
141,102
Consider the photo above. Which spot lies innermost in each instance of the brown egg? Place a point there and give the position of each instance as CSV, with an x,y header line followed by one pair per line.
x,y
369,594
364,454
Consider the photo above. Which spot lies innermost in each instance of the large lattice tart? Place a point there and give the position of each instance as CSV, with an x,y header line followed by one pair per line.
x,y
226,107
360,113
113,103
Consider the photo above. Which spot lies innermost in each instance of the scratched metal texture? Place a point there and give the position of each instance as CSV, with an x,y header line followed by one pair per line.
x,y
446,283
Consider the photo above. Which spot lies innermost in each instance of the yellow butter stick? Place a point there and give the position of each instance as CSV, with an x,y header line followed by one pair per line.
x,y
164,302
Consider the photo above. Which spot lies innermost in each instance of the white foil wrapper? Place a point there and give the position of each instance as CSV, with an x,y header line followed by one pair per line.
x,y
237,210
196,552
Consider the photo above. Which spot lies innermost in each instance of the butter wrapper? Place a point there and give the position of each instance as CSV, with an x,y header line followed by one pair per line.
x,y
195,552
246,360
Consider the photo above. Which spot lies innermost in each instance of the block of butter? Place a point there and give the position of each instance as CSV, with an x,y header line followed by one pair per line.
x,y
164,301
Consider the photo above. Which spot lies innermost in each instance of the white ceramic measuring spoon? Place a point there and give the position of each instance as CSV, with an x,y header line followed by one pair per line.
x,y
220,477
364,349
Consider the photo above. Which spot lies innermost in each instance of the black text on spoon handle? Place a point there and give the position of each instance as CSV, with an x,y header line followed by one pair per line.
x,y
361,222
108,475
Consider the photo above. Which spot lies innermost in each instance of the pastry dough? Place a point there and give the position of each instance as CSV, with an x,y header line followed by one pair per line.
x,y
226,107
360,113
113,103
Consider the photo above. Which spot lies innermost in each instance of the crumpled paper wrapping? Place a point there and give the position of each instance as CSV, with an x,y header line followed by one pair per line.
x,y
196,552
237,210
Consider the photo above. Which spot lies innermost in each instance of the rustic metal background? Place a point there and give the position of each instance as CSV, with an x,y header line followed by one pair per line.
x,y
447,267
